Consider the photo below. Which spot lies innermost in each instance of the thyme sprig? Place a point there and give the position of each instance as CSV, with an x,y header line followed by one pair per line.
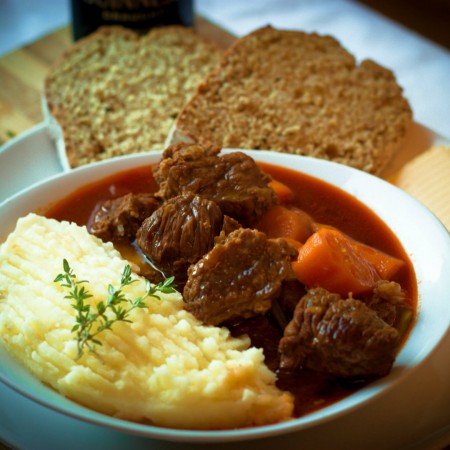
x,y
91,320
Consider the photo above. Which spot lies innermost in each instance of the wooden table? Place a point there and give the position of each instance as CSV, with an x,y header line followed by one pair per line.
x,y
22,74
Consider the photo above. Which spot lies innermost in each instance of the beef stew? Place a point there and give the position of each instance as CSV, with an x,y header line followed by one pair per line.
x,y
322,374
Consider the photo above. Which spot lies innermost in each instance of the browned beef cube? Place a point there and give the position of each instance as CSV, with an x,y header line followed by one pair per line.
x,y
239,277
179,233
343,338
229,225
234,181
120,218
386,298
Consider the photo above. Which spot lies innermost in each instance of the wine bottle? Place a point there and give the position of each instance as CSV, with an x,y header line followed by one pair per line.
x,y
139,15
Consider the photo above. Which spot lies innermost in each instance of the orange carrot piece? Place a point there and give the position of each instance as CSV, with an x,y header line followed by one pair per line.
x,y
386,265
283,192
328,259
280,221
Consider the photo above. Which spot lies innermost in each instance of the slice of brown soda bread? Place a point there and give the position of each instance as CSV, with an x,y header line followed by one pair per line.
x,y
115,92
302,93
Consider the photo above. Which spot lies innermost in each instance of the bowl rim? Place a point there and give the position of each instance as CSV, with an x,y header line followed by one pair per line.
x,y
346,178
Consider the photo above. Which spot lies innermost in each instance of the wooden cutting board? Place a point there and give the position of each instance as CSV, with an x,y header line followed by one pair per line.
x,y
22,74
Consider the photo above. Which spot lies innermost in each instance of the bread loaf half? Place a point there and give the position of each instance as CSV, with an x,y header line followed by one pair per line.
x,y
115,92
300,93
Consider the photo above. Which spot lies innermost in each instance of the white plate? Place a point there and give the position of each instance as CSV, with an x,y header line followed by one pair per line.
x,y
26,159
415,412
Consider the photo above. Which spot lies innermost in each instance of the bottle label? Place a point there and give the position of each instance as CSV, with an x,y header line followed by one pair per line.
x,y
140,15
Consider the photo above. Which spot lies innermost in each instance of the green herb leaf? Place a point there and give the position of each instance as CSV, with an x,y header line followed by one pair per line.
x,y
92,321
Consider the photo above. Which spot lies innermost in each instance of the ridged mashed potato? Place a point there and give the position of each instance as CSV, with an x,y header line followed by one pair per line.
x,y
165,367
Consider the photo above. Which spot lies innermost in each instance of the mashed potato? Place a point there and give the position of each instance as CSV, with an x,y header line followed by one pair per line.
x,y
165,367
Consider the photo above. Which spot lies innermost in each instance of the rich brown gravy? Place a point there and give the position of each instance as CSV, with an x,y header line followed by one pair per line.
x,y
324,202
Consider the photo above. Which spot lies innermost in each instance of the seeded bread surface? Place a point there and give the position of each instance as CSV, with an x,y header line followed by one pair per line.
x,y
115,93
299,93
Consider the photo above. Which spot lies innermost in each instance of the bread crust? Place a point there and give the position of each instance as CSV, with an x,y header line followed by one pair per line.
x,y
301,93
116,92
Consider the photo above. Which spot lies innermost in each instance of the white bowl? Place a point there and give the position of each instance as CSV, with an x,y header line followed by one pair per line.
x,y
424,238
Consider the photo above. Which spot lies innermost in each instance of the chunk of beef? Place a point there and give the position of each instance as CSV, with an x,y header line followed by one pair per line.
x,y
229,225
179,233
386,300
120,218
238,278
234,181
344,338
